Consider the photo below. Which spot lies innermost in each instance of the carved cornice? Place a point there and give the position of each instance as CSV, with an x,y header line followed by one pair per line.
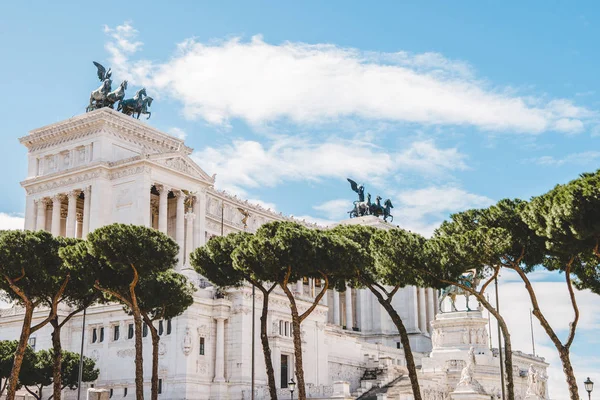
x,y
93,122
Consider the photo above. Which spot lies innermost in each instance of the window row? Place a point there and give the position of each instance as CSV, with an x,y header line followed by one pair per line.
x,y
285,328
98,332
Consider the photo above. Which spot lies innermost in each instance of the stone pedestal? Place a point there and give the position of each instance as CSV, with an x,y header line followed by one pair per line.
x,y
469,396
457,332
534,397
341,390
98,394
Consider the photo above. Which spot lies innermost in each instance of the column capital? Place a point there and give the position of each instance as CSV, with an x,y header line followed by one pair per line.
x,y
178,194
73,194
162,188
58,198
87,190
44,200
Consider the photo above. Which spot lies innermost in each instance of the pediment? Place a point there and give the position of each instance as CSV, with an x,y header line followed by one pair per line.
x,y
182,163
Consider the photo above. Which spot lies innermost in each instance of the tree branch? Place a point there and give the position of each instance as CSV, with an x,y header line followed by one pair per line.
x,y
393,292
317,299
112,293
486,284
572,325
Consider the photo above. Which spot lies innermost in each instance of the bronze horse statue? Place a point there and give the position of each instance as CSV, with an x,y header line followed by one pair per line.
x,y
470,279
133,105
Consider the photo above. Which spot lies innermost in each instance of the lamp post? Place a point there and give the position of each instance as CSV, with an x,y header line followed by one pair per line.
x,y
292,387
589,386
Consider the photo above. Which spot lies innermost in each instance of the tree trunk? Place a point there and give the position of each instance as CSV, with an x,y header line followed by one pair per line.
x,y
20,353
297,344
410,361
57,356
155,342
565,358
266,348
508,364
139,358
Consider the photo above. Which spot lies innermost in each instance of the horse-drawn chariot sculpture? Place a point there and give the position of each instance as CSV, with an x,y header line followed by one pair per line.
x,y
362,207
104,96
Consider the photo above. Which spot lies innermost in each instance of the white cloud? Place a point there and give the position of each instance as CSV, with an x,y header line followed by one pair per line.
x,y
178,133
261,82
422,210
250,164
583,158
334,209
10,221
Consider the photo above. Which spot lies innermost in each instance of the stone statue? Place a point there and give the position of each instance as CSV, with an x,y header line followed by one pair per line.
x,y
465,336
98,98
246,215
469,279
466,375
362,207
536,384
187,345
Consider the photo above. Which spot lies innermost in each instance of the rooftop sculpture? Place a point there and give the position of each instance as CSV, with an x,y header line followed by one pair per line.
x,y
362,207
104,96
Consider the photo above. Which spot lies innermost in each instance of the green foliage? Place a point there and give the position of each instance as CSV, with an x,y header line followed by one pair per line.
x,y
398,254
568,219
488,237
214,262
7,356
165,294
123,246
31,260
37,370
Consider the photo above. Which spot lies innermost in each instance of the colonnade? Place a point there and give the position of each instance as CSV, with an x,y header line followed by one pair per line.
x,y
190,219
76,214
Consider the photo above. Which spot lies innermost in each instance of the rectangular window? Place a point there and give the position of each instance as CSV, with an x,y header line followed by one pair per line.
x,y
31,343
125,392
159,386
144,330
94,335
284,371
201,346
160,327
101,334
397,345
169,327
116,333
130,331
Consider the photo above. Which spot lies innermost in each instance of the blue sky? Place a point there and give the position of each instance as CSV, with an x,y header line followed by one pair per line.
x,y
440,106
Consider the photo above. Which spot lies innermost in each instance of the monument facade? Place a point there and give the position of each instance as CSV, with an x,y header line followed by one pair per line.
x,y
104,167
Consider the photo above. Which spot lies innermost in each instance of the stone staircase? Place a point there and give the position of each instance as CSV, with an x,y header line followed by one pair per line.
x,y
380,373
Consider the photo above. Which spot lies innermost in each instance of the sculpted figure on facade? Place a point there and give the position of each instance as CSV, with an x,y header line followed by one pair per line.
x,y
536,384
465,336
187,342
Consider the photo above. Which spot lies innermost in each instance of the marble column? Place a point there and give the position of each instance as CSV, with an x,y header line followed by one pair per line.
x,y
72,214
299,287
348,296
220,351
336,307
189,239
180,226
422,310
163,215
87,199
436,299
56,205
30,213
42,205
430,308
200,224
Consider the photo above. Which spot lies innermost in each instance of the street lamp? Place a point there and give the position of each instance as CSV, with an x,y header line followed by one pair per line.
x,y
589,386
292,387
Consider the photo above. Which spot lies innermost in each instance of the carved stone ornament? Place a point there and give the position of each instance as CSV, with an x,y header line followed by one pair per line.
x,y
187,344
162,349
126,353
